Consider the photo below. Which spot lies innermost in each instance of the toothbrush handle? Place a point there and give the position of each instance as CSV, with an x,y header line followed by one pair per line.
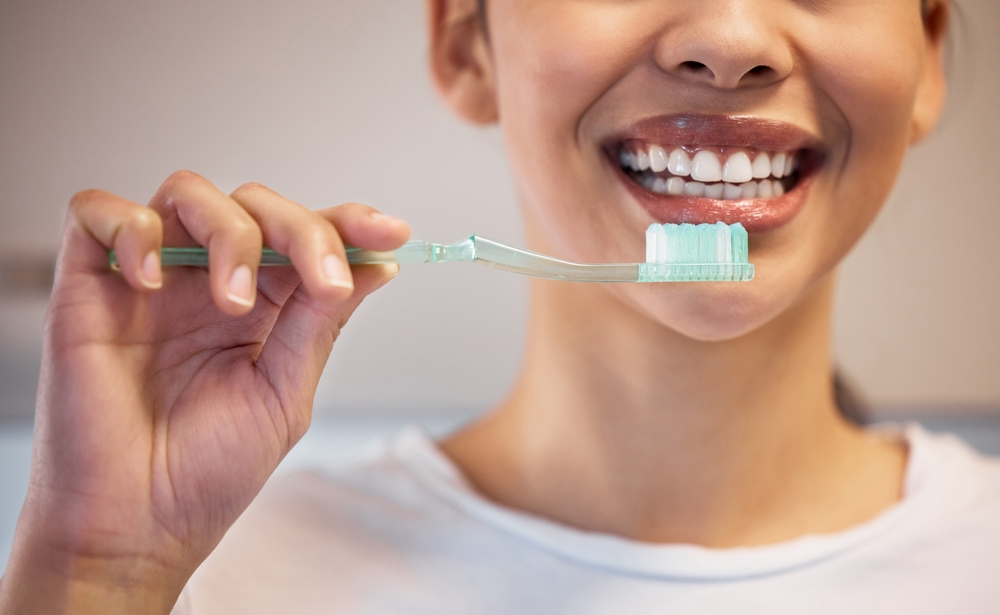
x,y
411,252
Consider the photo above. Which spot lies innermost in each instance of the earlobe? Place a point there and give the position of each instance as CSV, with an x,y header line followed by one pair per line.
x,y
460,62
933,87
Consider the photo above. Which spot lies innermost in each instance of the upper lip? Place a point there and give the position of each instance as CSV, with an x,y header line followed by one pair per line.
x,y
718,130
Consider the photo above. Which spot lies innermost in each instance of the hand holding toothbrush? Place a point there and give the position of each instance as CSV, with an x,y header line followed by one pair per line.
x,y
167,398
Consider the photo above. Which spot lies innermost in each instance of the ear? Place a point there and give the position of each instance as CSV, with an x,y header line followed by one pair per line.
x,y
460,60
933,87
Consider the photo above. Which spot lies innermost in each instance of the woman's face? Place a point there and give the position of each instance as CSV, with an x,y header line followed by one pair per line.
x,y
831,91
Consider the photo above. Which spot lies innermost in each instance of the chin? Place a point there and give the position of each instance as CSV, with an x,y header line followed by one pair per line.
x,y
710,312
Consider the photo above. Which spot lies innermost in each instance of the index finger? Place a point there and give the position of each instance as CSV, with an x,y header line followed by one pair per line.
x,y
99,221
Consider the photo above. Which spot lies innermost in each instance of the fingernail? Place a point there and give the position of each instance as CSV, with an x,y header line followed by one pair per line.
x,y
150,275
337,272
241,289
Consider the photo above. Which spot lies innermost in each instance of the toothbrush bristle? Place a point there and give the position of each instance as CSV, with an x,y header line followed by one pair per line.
x,y
723,243
698,250
696,244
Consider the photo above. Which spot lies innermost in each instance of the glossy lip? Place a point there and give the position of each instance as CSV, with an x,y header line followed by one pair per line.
x,y
757,215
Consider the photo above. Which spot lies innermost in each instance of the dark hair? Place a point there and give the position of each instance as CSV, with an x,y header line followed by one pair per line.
x,y
850,402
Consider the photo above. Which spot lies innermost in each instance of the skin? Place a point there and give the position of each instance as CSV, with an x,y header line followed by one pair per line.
x,y
688,413
695,413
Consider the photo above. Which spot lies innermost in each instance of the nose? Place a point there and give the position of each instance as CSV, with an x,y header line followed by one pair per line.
x,y
725,44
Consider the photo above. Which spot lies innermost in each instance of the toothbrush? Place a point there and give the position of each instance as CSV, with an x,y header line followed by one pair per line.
x,y
674,253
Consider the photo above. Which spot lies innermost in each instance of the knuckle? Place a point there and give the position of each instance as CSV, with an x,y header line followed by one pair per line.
x,y
250,188
321,232
144,219
361,208
354,208
247,229
183,176
85,197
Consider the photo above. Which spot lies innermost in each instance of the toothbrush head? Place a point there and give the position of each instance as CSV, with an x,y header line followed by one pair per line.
x,y
696,253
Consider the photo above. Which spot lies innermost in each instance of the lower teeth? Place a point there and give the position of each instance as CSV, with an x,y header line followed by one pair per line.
x,y
676,186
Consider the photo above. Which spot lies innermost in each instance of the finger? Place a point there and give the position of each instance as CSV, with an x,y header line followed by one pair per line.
x,y
366,227
310,241
297,349
98,221
221,225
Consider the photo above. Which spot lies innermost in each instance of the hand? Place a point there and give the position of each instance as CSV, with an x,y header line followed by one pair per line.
x,y
168,397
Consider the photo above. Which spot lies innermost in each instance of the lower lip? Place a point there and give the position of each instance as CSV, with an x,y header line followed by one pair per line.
x,y
756,215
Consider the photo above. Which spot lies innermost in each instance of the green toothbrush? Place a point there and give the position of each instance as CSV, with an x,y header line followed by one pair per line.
x,y
674,253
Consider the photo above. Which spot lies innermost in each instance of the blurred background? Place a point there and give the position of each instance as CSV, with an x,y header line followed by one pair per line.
x,y
328,101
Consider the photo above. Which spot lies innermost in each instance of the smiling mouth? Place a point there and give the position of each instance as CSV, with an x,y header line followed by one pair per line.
x,y
714,168
723,173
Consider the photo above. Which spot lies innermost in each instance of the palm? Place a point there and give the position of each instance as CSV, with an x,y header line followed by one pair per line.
x,y
186,424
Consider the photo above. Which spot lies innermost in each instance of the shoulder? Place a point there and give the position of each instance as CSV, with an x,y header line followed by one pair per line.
x,y
952,505
944,464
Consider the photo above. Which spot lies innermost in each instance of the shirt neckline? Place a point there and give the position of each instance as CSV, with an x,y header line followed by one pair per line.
x,y
425,462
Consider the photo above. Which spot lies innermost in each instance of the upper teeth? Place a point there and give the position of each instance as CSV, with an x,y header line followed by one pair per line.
x,y
680,163
707,166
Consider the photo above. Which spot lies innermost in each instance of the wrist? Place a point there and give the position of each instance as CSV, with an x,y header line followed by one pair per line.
x,y
44,580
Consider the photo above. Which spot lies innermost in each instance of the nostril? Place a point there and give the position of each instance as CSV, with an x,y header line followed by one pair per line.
x,y
693,66
758,75
763,73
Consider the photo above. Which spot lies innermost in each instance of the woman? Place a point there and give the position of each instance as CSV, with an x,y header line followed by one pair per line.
x,y
667,448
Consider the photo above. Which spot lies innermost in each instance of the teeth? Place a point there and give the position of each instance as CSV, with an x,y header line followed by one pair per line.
x,y
710,178
675,186
679,163
737,169
706,167
732,192
657,159
694,188
790,166
643,160
778,165
762,166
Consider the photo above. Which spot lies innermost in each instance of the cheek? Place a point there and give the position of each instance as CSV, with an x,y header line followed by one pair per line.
x,y
867,70
553,60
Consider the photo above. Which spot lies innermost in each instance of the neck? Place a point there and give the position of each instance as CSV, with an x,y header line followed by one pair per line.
x,y
618,424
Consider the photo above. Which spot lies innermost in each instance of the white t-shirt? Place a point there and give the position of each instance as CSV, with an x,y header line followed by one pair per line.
x,y
401,531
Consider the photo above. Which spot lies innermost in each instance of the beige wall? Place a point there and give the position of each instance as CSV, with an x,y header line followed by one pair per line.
x,y
328,101
919,308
